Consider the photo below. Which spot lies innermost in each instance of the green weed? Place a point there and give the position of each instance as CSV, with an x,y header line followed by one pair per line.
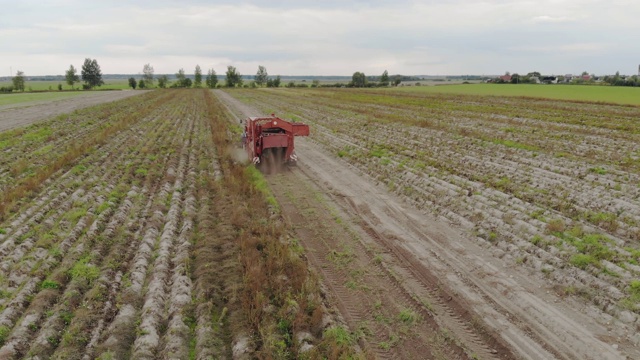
x,y
49,284
83,270
339,335
582,260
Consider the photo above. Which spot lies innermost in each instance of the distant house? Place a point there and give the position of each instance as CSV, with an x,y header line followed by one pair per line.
x,y
550,79
505,78
585,77
568,78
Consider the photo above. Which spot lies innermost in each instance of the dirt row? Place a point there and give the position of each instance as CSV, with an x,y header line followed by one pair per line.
x,y
512,202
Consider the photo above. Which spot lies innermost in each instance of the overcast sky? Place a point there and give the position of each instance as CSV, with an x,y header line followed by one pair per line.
x,y
330,37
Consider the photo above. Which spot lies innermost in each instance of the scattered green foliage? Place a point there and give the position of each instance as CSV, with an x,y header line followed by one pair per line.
x,y
84,270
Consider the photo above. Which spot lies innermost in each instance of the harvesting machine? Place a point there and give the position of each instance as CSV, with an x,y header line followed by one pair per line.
x,y
269,140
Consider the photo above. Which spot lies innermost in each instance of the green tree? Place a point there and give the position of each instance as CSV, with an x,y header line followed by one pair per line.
x,y
18,81
384,79
71,76
147,75
358,79
91,74
212,79
133,83
163,81
274,82
186,83
397,80
233,77
142,84
197,80
180,78
261,76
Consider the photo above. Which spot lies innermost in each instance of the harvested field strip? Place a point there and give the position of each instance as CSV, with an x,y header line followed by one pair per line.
x,y
394,324
545,184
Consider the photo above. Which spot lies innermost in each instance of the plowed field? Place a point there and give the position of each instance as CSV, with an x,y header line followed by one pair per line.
x,y
128,231
511,224
417,226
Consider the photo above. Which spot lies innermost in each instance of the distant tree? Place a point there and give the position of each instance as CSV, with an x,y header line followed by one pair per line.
x,y
59,87
233,77
91,74
133,83
197,80
585,73
163,81
616,79
515,78
187,83
212,79
315,83
18,81
261,76
147,75
180,78
274,82
71,76
142,84
384,79
358,79
397,80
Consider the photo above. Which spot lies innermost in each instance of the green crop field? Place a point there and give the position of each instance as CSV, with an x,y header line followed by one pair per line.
x,y
605,94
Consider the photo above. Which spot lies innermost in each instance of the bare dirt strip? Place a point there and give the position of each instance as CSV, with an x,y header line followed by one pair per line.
x,y
23,114
413,286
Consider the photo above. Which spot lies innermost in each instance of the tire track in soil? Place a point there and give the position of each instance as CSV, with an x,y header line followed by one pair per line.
x,y
512,301
452,316
315,225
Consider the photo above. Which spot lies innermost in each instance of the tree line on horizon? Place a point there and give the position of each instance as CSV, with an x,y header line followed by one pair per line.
x,y
91,76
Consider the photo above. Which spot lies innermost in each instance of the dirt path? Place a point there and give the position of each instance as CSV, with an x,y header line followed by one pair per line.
x,y
378,255
27,113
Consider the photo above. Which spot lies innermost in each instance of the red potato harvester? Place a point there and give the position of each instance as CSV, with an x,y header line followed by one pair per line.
x,y
270,139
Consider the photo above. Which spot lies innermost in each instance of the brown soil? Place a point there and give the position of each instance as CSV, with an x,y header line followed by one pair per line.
x,y
414,286
23,114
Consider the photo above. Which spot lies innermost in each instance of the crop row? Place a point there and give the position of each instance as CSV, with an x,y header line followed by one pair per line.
x,y
547,184
140,247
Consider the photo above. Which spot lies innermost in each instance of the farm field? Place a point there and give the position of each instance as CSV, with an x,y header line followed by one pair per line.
x,y
589,93
415,225
23,109
109,84
524,212
127,230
